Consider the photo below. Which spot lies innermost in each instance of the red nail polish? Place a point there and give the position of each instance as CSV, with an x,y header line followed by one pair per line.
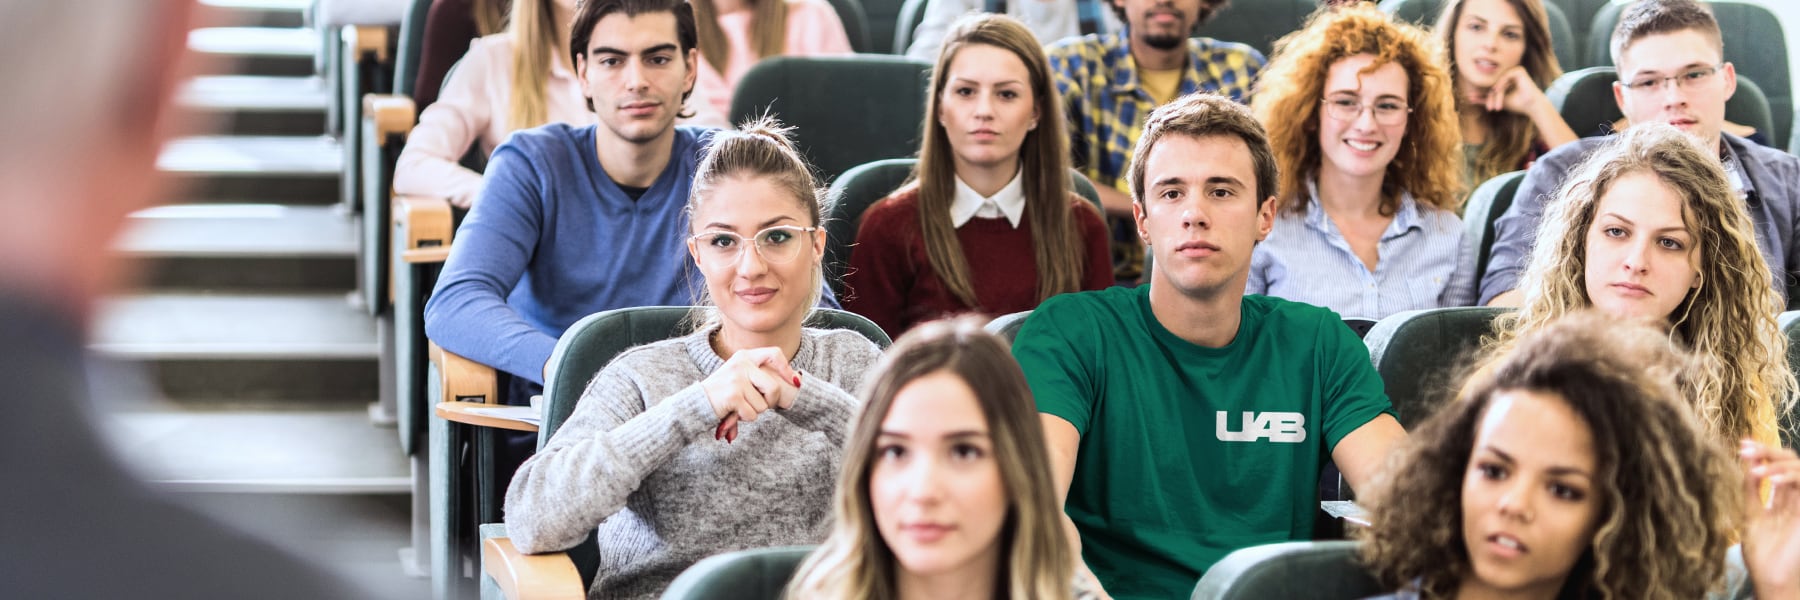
x,y
796,380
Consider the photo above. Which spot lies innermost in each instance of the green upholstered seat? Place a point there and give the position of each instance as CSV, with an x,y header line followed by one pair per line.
x,y
757,574
1289,570
845,110
1485,205
1420,353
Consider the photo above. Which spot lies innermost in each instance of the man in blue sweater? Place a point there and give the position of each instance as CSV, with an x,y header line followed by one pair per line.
x,y
577,220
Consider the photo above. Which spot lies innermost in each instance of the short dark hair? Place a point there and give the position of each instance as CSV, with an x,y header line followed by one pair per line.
x,y
1651,17
590,12
1208,10
1204,115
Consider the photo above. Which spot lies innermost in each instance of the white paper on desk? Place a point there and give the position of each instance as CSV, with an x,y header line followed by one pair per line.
x,y
515,413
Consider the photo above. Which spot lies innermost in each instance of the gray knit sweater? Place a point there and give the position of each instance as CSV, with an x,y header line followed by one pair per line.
x,y
637,460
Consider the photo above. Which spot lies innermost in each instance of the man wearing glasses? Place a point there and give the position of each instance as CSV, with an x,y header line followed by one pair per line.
x,y
1671,65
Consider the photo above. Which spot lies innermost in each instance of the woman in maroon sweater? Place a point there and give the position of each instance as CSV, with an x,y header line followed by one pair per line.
x,y
988,223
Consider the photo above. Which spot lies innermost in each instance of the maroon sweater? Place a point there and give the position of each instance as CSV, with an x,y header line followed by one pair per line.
x,y
891,281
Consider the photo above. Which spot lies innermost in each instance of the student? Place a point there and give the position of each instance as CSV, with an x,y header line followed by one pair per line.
x,y
1648,229
1671,70
1500,61
988,223
735,34
1358,110
1048,20
1185,419
634,460
1110,82
946,491
1571,467
541,250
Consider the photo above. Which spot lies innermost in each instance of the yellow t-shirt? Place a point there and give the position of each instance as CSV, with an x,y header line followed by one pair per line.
x,y
1161,85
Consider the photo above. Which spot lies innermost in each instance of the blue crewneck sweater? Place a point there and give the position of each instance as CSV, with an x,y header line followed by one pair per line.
x,y
553,239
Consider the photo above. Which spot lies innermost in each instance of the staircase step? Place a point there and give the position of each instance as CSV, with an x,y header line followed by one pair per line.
x,y
255,93
258,50
230,327
256,13
240,230
305,450
253,156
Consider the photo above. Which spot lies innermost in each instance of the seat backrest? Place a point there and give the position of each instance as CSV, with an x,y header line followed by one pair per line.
x,y
1290,570
883,16
410,48
756,574
862,186
1258,23
1359,326
1485,205
912,13
1007,326
1790,419
845,110
1425,13
1418,354
856,23
1580,14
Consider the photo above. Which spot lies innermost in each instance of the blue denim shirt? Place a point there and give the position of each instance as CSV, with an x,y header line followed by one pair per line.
x,y
1769,177
1422,262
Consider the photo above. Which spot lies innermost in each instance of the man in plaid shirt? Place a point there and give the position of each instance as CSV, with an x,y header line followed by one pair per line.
x,y
1110,83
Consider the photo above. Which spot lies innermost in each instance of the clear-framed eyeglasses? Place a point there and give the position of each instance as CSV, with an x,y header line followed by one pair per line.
x,y
780,244
1686,80
1347,108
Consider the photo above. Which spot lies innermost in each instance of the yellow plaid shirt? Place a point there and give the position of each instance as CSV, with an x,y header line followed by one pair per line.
x,y
1107,105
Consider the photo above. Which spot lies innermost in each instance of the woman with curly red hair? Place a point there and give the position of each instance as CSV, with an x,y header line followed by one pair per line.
x,y
1361,115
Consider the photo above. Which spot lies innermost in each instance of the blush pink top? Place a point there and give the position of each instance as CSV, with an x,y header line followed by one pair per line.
x,y
474,109
813,29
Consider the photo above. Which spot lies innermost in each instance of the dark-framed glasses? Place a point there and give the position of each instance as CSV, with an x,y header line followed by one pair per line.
x,y
780,244
1686,80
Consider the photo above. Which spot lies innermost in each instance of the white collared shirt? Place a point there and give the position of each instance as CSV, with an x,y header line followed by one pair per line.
x,y
1009,202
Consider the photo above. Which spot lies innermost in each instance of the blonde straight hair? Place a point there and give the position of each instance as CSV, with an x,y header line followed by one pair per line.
x,y
490,16
535,37
768,31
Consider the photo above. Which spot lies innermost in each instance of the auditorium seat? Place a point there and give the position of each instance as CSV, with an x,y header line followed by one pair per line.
x,y
856,24
1418,354
1484,207
1585,100
588,346
864,185
845,110
1258,23
1289,570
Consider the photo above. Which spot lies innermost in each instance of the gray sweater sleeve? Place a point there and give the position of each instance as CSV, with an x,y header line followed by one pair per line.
x,y
827,407
599,457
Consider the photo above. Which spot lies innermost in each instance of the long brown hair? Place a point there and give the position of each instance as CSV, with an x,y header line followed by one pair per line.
x,y
768,31
490,15
1727,321
1036,560
1510,135
1669,494
1043,159
1290,93
535,40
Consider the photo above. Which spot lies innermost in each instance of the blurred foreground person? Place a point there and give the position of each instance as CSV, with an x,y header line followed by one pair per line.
x,y
82,133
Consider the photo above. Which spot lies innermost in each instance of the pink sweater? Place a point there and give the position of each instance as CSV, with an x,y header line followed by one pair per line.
x,y
474,108
813,29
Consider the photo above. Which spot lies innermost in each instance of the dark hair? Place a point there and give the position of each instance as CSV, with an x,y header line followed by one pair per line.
x,y
1043,163
1201,115
1651,17
1208,10
1668,492
590,12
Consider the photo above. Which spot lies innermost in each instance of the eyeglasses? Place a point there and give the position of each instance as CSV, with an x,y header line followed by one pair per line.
x,y
1348,108
1686,80
779,244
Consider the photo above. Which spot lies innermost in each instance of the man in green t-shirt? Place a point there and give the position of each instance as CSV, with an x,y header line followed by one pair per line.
x,y
1185,419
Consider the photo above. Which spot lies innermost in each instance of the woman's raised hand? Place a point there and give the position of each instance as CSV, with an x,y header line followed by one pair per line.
x,y
1772,527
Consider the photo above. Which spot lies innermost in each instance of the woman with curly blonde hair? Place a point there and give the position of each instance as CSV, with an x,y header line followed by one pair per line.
x,y
1501,59
1572,468
1649,229
1362,119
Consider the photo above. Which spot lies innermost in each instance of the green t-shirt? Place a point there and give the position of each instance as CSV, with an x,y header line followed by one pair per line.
x,y
1188,453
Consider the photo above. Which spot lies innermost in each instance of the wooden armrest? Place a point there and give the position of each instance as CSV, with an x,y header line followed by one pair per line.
x,y
424,227
363,40
392,114
464,380
530,576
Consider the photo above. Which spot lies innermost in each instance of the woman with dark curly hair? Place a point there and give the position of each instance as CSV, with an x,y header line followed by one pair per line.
x,y
1361,115
1648,229
1572,468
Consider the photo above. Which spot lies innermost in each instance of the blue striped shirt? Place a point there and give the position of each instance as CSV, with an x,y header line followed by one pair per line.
x,y
1422,263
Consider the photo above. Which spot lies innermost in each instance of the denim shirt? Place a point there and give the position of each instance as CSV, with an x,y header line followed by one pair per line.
x,y
1422,262
1768,178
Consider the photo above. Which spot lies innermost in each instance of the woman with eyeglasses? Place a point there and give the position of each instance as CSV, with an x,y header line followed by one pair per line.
x,y
726,438
1363,125
988,223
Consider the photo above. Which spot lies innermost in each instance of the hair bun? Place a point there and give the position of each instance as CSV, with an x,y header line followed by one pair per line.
x,y
767,126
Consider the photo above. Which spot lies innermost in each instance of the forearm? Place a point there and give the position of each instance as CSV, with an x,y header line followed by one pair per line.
x,y
1550,125
420,172
475,322
585,474
822,407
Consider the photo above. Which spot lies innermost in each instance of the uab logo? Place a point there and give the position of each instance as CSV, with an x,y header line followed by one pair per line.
x,y
1282,427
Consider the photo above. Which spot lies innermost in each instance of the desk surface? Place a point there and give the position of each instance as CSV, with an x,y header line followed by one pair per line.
x,y
459,412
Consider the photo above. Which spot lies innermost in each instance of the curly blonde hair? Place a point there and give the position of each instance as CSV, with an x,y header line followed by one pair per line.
x,y
1668,494
1289,93
1728,321
1511,136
